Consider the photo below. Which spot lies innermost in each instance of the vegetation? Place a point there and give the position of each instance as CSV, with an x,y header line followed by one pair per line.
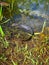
x,y
15,51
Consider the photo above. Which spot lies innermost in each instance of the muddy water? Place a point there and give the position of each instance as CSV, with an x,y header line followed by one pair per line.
x,y
35,23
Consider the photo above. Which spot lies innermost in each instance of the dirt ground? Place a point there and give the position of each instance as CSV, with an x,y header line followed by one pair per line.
x,y
33,52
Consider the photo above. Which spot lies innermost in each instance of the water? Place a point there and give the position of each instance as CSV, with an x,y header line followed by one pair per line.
x,y
34,20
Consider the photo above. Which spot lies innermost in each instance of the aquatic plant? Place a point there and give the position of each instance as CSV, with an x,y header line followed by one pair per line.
x,y
1,15
5,21
14,63
2,57
1,32
4,41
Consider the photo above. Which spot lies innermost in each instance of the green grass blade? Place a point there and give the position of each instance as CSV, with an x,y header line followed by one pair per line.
x,y
14,63
1,32
6,21
1,15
